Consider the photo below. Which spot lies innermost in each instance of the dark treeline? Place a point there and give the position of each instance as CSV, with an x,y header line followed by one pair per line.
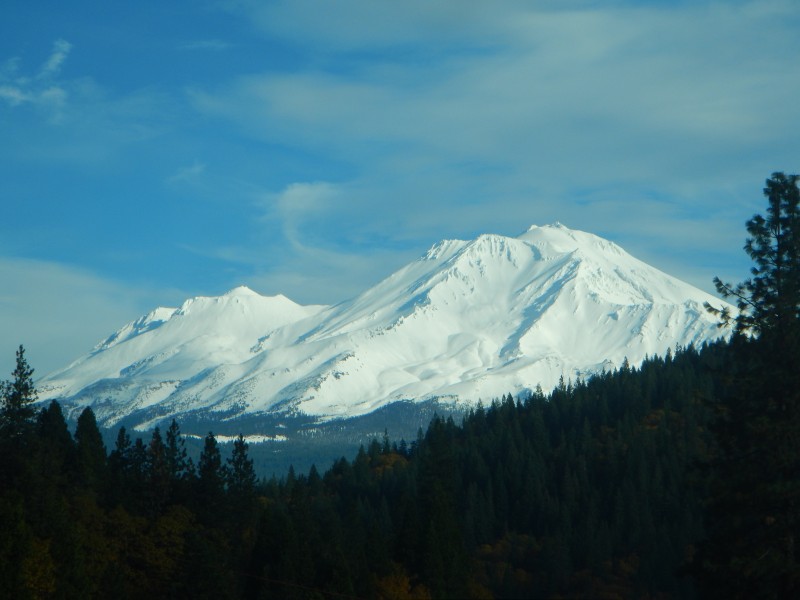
x,y
680,478
587,492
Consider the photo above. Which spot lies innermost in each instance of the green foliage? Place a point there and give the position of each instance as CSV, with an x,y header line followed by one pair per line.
x,y
91,452
209,468
753,514
770,300
240,474
179,464
530,497
210,483
16,399
159,477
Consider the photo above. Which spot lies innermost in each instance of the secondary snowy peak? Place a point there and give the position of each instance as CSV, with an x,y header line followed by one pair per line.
x,y
176,344
236,307
469,320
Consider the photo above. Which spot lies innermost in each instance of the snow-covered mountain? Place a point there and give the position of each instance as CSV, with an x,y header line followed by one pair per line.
x,y
470,320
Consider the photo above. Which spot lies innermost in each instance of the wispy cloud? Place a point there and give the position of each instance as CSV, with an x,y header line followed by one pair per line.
x,y
562,84
79,121
297,255
186,174
14,95
358,24
299,204
42,90
52,66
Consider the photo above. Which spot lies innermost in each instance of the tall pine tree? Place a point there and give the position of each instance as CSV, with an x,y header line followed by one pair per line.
x,y
16,399
753,516
240,474
90,449
210,480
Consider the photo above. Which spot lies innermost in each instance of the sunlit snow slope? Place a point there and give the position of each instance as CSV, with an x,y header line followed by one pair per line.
x,y
469,320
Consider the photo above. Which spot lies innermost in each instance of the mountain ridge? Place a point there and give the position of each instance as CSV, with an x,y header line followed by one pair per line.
x,y
469,320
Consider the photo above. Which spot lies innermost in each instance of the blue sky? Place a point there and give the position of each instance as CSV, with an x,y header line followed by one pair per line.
x,y
154,151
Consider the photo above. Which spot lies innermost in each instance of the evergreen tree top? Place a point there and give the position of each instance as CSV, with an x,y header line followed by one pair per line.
x,y
17,397
769,301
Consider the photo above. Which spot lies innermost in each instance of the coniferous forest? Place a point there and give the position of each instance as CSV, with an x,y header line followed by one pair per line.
x,y
678,478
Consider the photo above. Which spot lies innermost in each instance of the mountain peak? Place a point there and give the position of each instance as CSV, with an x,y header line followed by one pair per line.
x,y
557,229
553,225
241,291
559,238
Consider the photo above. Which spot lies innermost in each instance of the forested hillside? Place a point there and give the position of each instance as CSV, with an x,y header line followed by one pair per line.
x,y
588,491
